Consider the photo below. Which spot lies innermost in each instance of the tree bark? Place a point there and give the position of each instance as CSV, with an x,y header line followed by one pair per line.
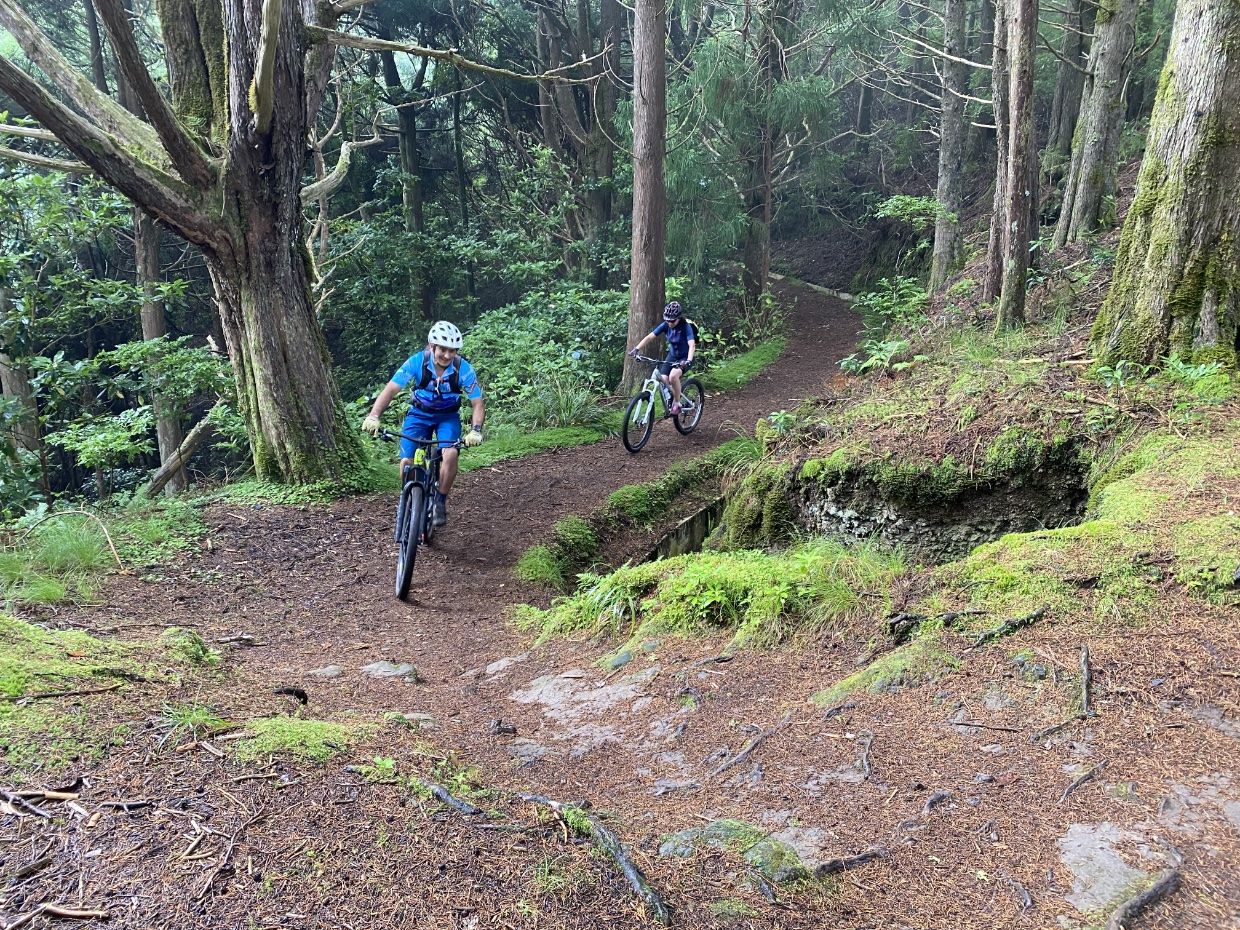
x,y
996,245
1097,133
952,136
15,383
646,285
462,179
1176,286
1078,18
98,74
154,326
1022,36
176,463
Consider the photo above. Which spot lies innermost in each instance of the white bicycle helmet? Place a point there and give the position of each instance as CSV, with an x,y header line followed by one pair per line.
x,y
445,334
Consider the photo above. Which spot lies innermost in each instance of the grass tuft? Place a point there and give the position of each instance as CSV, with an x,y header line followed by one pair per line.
x,y
313,740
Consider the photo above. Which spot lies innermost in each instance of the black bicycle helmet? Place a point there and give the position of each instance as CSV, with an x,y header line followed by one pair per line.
x,y
672,311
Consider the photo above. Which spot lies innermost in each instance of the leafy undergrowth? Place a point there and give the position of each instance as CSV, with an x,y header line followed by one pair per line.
x,y
49,680
759,597
576,541
64,556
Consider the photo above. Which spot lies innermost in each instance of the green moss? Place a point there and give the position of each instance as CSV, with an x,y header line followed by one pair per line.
x,y
921,660
759,511
738,371
541,565
190,646
1207,553
731,909
774,859
314,740
758,596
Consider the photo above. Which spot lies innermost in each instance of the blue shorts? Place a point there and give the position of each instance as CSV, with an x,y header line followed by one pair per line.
x,y
445,427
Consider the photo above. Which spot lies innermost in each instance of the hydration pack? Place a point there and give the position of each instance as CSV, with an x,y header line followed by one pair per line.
x,y
426,378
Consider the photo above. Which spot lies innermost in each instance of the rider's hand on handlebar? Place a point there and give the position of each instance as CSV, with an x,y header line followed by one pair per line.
x,y
473,438
371,425
633,352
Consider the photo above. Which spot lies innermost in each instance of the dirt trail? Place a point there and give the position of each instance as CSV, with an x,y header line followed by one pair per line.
x,y
966,815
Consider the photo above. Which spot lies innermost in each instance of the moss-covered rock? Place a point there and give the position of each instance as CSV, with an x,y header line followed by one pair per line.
x,y
774,859
924,659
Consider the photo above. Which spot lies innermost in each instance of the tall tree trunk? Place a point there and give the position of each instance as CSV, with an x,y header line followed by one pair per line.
x,y
1097,132
1176,286
15,384
600,143
1022,36
155,326
865,119
952,136
97,73
462,180
649,193
982,80
1078,18
996,245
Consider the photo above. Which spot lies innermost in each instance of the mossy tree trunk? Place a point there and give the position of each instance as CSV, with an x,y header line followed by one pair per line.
x,y
1078,22
649,191
1176,286
221,164
952,136
1096,139
1022,31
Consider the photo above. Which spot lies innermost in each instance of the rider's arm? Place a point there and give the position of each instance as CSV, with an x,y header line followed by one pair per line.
x,y
692,350
385,398
479,413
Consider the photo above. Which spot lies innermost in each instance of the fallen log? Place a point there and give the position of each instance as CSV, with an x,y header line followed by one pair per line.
x,y
201,433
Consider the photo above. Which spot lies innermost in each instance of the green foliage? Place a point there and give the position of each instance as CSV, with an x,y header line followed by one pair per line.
x,y
312,740
193,720
741,369
760,597
190,647
109,441
921,213
561,400
921,660
893,304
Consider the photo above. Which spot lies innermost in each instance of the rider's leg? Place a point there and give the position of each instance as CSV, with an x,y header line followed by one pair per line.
x,y
448,469
674,378
447,433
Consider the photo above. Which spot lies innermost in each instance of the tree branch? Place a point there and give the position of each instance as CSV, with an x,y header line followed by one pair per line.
x,y
186,156
1071,64
331,183
262,93
42,161
449,55
942,54
148,186
105,112
27,132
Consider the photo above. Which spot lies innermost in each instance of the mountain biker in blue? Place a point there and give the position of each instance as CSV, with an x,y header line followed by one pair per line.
x,y
681,347
440,378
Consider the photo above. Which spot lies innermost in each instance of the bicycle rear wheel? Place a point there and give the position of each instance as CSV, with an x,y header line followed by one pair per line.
x,y
412,532
638,422
691,399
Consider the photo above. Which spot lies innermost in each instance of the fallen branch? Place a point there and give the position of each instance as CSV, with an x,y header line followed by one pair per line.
x,y
56,911
441,794
1167,882
42,695
1008,626
831,866
609,843
753,743
201,432
18,801
1052,730
1086,681
1080,780
982,726
222,862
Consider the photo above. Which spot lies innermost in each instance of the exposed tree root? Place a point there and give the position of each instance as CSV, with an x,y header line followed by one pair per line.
x,y
444,796
1081,780
1008,626
609,843
747,750
1167,882
845,863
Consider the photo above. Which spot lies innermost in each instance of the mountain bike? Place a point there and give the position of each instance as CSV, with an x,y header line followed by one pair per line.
x,y
640,416
415,517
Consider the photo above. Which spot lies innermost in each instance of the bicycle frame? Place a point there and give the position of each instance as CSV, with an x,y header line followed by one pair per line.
x,y
655,385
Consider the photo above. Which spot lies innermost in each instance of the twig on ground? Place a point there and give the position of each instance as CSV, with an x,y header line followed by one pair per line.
x,y
982,726
18,698
222,862
1008,626
1081,779
1052,730
1086,682
1026,899
867,740
55,911
750,745
1168,881
611,845
127,806
837,709
843,864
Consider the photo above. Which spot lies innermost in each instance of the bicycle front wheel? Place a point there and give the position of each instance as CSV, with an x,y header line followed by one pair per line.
x,y
638,422
407,555
691,399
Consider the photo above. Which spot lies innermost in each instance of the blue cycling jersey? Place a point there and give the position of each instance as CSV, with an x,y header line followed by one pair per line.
x,y
678,338
438,394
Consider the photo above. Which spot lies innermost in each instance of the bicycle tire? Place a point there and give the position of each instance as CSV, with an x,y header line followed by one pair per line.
x,y
691,389
428,524
635,436
408,553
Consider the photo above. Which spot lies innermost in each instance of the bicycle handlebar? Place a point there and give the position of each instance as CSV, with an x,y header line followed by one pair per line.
x,y
652,361
389,436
